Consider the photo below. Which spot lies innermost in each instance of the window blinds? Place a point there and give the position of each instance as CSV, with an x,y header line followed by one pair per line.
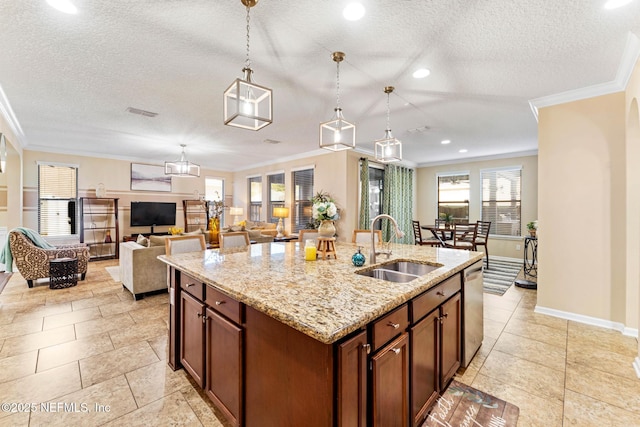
x,y
276,194
501,200
302,194
57,199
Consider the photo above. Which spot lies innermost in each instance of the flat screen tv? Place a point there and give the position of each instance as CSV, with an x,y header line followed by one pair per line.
x,y
151,214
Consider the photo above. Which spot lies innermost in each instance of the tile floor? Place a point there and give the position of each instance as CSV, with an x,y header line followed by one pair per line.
x,y
99,358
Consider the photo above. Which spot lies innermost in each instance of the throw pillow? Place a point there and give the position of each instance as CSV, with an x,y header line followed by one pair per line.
x,y
142,241
254,234
157,240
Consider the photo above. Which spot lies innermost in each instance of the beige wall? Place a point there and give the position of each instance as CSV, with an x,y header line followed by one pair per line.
x,y
427,197
116,176
11,181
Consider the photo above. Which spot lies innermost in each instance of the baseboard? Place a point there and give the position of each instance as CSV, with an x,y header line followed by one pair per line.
x,y
607,324
636,366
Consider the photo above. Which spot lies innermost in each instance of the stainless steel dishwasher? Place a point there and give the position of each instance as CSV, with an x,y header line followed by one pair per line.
x,y
472,321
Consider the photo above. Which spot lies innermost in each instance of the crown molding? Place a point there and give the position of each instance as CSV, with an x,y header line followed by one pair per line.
x,y
625,69
514,154
9,116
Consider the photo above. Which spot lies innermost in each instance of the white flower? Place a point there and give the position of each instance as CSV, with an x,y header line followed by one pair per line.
x,y
331,209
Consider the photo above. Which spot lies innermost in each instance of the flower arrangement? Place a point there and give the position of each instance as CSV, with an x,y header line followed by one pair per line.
x,y
216,207
324,207
243,223
175,230
533,225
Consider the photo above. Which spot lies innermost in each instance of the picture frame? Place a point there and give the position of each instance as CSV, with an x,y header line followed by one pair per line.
x,y
149,178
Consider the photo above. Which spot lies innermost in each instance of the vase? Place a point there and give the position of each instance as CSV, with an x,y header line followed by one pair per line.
x,y
326,229
214,230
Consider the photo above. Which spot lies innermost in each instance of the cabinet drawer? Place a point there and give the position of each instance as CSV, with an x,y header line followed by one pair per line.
x,y
423,304
224,304
389,326
192,286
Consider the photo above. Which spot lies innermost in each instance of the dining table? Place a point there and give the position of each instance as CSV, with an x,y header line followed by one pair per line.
x,y
440,232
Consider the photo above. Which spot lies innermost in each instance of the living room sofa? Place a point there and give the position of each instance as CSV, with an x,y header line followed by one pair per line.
x,y
140,269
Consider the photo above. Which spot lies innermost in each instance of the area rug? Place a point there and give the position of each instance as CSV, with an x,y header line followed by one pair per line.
x,y
114,271
500,276
461,405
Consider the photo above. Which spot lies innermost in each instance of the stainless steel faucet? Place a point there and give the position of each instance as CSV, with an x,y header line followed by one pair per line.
x,y
399,233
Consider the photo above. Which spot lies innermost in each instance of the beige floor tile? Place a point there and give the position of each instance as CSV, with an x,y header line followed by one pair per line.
x,y
532,350
172,410
18,366
61,354
69,295
96,405
155,381
81,304
42,386
492,328
8,419
104,324
583,411
496,301
498,314
145,331
523,328
532,377
534,410
6,316
160,346
203,408
604,338
42,311
618,391
527,314
27,343
101,367
468,375
122,307
21,328
597,357
57,320
157,311
104,288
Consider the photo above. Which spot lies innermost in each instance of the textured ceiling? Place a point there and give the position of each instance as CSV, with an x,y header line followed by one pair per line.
x,y
70,78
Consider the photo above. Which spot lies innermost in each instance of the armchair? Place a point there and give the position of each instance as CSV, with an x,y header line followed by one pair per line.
x,y
33,261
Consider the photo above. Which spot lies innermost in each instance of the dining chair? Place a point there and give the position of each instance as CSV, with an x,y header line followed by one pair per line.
x,y
181,244
482,237
463,237
303,235
364,236
419,240
234,239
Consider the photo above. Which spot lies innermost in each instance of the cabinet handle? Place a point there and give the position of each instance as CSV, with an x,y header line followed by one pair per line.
x,y
220,302
440,293
367,348
199,314
190,284
393,325
396,350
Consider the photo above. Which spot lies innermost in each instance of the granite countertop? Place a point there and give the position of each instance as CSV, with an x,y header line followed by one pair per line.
x,y
324,299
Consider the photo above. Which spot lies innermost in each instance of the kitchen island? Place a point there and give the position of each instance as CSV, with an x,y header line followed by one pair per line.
x,y
278,341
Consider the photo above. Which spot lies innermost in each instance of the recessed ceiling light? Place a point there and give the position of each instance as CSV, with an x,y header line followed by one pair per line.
x,y
353,11
63,6
464,150
614,4
445,141
421,73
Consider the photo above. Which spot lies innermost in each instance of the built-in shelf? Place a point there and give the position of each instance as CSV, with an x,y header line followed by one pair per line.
x,y
99,227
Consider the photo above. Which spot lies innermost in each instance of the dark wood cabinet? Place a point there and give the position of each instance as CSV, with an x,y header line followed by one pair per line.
x,y
224,367
425,371
390,384
192,336
450,338
352,381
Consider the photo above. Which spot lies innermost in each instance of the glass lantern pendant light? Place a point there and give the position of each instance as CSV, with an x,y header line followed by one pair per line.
x,y
337,134
246,104
388,149
182,167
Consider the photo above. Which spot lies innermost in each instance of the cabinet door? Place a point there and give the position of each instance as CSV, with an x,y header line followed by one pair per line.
x,y
390,386
425,373
192,337
450,313
352,381
224,366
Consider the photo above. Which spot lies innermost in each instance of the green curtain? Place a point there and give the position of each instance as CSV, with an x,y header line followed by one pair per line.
x,y
397,201
365,220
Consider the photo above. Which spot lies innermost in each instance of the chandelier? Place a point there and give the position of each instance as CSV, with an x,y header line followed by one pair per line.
x,y
182,167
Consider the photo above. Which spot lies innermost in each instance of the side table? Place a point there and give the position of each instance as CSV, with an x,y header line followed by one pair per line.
x,y
63,273
530,263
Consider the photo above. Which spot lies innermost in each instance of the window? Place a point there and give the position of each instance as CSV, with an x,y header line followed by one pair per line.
x,y
501,200
214,191
302,194
276,194
57,199
376,191
453,196
255,198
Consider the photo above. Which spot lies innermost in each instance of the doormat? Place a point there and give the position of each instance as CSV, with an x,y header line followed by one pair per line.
x,y
462,406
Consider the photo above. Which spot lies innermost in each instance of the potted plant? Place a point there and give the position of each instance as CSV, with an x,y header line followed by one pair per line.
x,y
447,218
532,227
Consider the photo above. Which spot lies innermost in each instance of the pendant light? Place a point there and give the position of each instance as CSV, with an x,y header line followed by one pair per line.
x,y
246,104
337,134
182,167
388,149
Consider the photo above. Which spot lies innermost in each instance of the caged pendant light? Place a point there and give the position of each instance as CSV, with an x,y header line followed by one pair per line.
x,y
182,167
388,149
246,104
337,134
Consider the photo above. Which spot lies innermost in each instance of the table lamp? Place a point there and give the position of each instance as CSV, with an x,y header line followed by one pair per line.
x,y
235,213
280,213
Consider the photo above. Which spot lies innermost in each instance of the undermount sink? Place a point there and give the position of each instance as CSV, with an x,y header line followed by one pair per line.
x,y
399,271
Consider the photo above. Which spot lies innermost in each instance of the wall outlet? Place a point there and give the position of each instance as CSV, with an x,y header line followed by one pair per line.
x,y
517,247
